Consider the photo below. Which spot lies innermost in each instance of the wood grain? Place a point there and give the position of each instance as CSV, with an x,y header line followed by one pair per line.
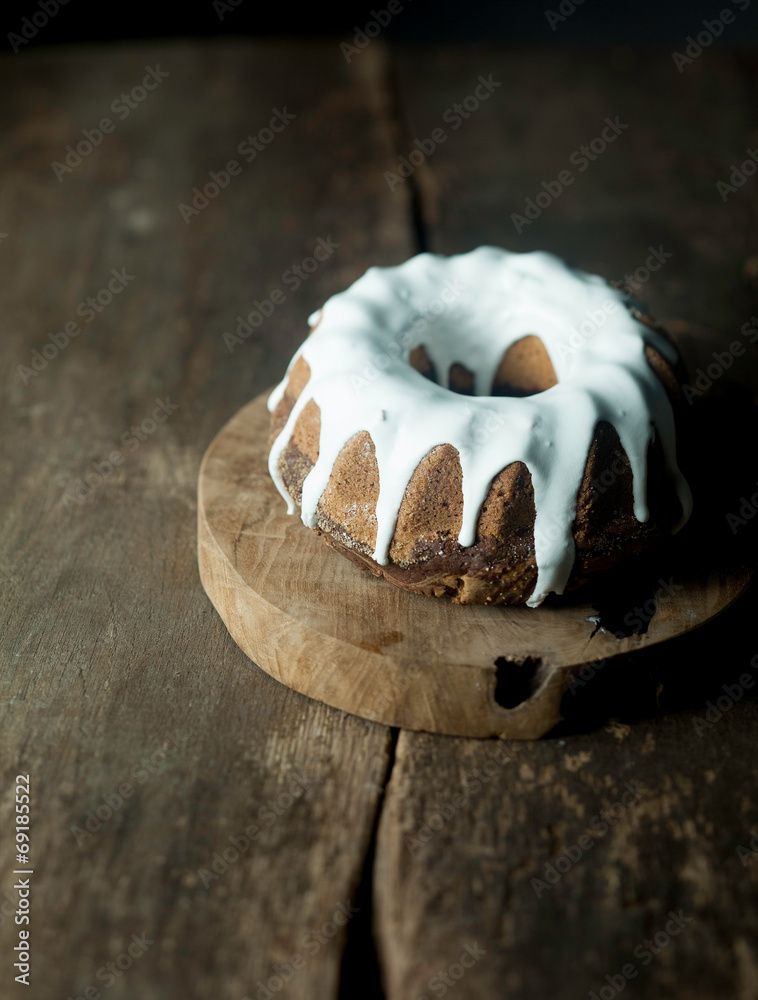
x,y
117,671
317,624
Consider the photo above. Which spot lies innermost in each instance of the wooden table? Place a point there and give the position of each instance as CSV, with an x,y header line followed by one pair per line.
x,y
256,842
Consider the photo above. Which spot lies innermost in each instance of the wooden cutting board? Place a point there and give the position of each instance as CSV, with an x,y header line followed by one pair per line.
x,y
315,622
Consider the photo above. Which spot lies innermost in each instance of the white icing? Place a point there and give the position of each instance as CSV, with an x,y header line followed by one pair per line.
x,y
469,309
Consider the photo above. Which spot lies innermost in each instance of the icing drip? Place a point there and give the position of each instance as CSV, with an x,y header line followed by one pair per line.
x,y
469,309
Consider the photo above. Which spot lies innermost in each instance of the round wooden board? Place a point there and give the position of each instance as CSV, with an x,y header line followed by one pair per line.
x,y
315,622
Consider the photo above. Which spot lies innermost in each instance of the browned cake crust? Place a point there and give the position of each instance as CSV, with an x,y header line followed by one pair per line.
x,y
500,568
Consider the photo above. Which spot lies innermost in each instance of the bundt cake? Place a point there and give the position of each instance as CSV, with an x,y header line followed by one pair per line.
x,y
492,426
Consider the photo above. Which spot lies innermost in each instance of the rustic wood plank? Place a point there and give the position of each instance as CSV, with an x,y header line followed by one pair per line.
x,y
117,670
468,827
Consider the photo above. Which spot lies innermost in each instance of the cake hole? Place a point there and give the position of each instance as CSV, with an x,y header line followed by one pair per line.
x,y
461,380
420,360
525,369
515,680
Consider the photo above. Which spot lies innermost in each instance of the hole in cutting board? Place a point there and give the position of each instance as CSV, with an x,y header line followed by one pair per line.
x,y
515,680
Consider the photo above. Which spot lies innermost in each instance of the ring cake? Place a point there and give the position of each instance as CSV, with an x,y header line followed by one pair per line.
x,y
492,426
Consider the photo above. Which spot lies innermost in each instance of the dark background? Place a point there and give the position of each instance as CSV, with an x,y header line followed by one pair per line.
x,y
593,22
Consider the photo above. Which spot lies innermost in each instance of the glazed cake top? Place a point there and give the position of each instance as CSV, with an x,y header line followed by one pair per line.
x,y
470,308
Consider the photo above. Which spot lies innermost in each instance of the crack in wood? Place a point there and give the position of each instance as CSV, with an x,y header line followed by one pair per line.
x,y
403,140
361,971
